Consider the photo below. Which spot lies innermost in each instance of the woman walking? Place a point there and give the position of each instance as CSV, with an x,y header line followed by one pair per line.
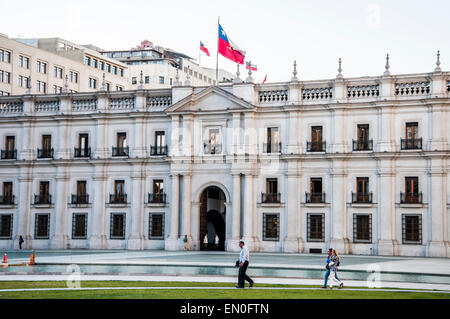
x,y
334,264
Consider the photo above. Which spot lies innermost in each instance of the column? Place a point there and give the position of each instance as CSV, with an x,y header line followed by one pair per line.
x,y
174,141
136,238
249,213
63,149
437,210
386,201
98,238
27,141
386,144
232,244
290,242
438,140
139,149
188,134
338,208
187,206
251,135
23,209
101,148
292,147
237,144
60,238
339,128
172,242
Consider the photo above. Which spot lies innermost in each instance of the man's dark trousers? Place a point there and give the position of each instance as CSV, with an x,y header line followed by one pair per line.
x,y
243,276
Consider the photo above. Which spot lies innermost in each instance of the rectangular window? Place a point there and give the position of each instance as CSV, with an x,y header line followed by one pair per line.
x,y
42,226
5,56
41,86
412,229
108,67
114,70
81,188
316,227
412,195
316,191
160,139
147,80
79,226
10,143
156,226
41,67
121,140
83,142
7,193
272,140
412,130
121,72
161,80
57,89
117,227
92,83
73,77
44,189
362,228
134,80
57,72
158,186
5,77
108,86
101,65
87,60
119,88
119,188
271,227
316,134
24,62
6,226
46,142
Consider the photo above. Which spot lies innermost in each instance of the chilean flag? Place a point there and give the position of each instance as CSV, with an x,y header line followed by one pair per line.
x,y
203,48
228,49
253,66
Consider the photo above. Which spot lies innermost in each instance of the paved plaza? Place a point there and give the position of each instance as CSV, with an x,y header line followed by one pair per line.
x,y
304,269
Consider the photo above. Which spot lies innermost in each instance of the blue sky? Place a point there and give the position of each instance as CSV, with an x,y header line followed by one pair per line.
x,y
274,33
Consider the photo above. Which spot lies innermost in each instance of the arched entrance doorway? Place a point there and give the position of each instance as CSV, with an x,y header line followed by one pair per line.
x,y
212,219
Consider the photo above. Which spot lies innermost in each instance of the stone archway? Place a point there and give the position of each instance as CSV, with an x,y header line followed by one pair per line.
x,y
212,219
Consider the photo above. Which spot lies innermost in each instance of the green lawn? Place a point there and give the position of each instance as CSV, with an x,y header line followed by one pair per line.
x,y
196,294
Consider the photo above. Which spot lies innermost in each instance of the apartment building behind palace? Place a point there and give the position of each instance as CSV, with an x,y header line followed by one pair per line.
x,y
358,164
51,65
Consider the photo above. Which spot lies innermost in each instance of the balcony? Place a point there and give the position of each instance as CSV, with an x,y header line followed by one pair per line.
x,y
270,198
212,149
45,153
315,198
315,146
156,198
411,144
120,151
9,154
80,199
43,199
272,148
7,200
363,145
158,150
411,198
82,152
117,198
361,198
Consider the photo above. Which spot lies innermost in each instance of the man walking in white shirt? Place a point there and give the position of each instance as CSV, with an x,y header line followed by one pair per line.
x,y
243,264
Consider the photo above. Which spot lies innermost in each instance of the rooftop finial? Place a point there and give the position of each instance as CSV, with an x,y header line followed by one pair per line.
x,y
250,77
294,78
103,87
438,62
238,75
177,77
387,66
188,77
66,84
339,76
141,80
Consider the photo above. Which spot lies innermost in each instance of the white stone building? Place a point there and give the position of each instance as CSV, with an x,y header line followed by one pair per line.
x,y
358,164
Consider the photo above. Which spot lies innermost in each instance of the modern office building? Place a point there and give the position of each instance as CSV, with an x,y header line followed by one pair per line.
x,y
357,164
46,66
158,67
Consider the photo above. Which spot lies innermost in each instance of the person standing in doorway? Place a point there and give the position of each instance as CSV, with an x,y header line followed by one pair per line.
x,y
244,258
20,241
186,243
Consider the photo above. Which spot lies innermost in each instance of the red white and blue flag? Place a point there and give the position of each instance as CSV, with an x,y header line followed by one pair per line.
x,y
203,48
253,66
228,49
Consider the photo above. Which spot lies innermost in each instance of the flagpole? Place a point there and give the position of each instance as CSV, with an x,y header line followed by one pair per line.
x,y
217,57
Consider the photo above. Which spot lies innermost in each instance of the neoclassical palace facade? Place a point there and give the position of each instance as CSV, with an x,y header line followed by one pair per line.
x,y
357,164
